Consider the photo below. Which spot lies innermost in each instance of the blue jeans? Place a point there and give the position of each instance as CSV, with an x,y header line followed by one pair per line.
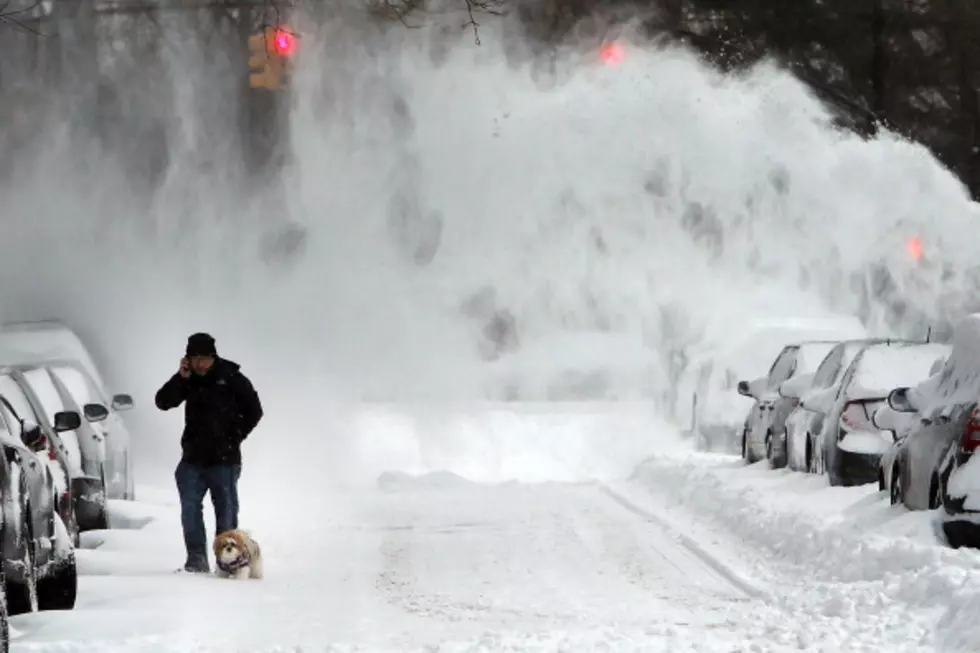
x,y
193,483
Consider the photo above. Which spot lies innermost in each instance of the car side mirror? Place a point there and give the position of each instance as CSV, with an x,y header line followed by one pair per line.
x,y
744,389
95,412
898,400
67,420
122,402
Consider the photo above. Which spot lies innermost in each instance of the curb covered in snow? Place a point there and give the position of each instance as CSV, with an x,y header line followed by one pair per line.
x,y
831,536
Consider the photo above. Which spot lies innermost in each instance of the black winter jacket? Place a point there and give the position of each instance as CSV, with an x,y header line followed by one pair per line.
x,y
221,409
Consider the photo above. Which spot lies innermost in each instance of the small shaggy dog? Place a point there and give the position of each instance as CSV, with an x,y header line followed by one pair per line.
x,y
237,555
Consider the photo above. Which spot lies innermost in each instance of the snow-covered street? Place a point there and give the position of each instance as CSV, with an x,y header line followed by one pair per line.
x,y
692,552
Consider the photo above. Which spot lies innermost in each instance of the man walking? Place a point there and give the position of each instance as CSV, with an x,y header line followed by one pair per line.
x,y
221,409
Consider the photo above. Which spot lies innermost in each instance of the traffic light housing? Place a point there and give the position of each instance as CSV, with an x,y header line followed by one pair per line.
x,y
270,57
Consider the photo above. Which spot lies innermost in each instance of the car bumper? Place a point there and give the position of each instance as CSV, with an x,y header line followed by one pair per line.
x,y
852,468
89,499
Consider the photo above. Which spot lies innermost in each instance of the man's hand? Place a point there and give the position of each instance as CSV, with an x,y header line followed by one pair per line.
x,y
185,368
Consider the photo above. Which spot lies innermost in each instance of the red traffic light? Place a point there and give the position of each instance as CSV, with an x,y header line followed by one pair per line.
x,y
915,248
284,43
613,54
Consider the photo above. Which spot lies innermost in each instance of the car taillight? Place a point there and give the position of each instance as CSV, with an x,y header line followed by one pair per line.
x,y
853,415
38,445
971,434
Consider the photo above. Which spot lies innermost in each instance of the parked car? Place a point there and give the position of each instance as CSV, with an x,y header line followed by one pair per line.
x,y
106,439
764,434
849,444
804,425
38,555
709,389
86,463
4,621
908,470
47,442
950,405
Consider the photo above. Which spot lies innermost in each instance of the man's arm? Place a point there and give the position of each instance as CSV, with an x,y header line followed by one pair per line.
x,y
248,404
172,394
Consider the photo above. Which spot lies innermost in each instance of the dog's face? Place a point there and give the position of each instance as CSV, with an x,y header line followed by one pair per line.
x,y
229,546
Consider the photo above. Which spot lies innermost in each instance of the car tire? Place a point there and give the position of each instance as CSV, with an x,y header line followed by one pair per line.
x,y
895,491
935,495
749,456
22,595
58,589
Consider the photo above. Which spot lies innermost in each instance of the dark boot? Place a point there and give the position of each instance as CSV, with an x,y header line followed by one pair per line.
x,y
197,564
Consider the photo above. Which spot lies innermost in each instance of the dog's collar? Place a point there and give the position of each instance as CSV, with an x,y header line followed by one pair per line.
x,y
234,565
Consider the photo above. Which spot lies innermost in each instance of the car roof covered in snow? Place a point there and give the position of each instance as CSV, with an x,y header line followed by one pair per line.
x,y
752,350
49,340
958,380
883,367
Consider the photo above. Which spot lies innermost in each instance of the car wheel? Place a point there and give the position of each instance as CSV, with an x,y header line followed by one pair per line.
x,y
935,494
895,493
22,594
58,589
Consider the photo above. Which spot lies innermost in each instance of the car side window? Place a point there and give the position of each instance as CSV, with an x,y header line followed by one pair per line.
x,y
11,419
848,375
46,391
12,391
784,367
9,427
827,372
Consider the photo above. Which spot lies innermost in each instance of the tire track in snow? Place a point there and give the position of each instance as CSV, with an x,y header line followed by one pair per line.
x,y
743,585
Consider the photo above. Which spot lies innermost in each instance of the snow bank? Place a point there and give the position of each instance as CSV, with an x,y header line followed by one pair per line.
x,y
848,549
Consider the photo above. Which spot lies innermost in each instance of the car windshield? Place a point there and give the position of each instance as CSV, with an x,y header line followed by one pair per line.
x,y
10,389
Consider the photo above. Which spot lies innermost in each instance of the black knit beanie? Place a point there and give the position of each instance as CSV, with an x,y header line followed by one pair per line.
x,y
201,344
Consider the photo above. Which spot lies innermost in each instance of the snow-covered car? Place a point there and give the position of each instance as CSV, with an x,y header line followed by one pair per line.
x,y
764,435
104,438
804,425
88,489
849,445
583,366
38,554
47,442
908,470
53,343
708,391
4,622
949,403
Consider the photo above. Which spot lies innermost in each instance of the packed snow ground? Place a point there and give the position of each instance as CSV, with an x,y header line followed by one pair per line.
x,y
686,553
